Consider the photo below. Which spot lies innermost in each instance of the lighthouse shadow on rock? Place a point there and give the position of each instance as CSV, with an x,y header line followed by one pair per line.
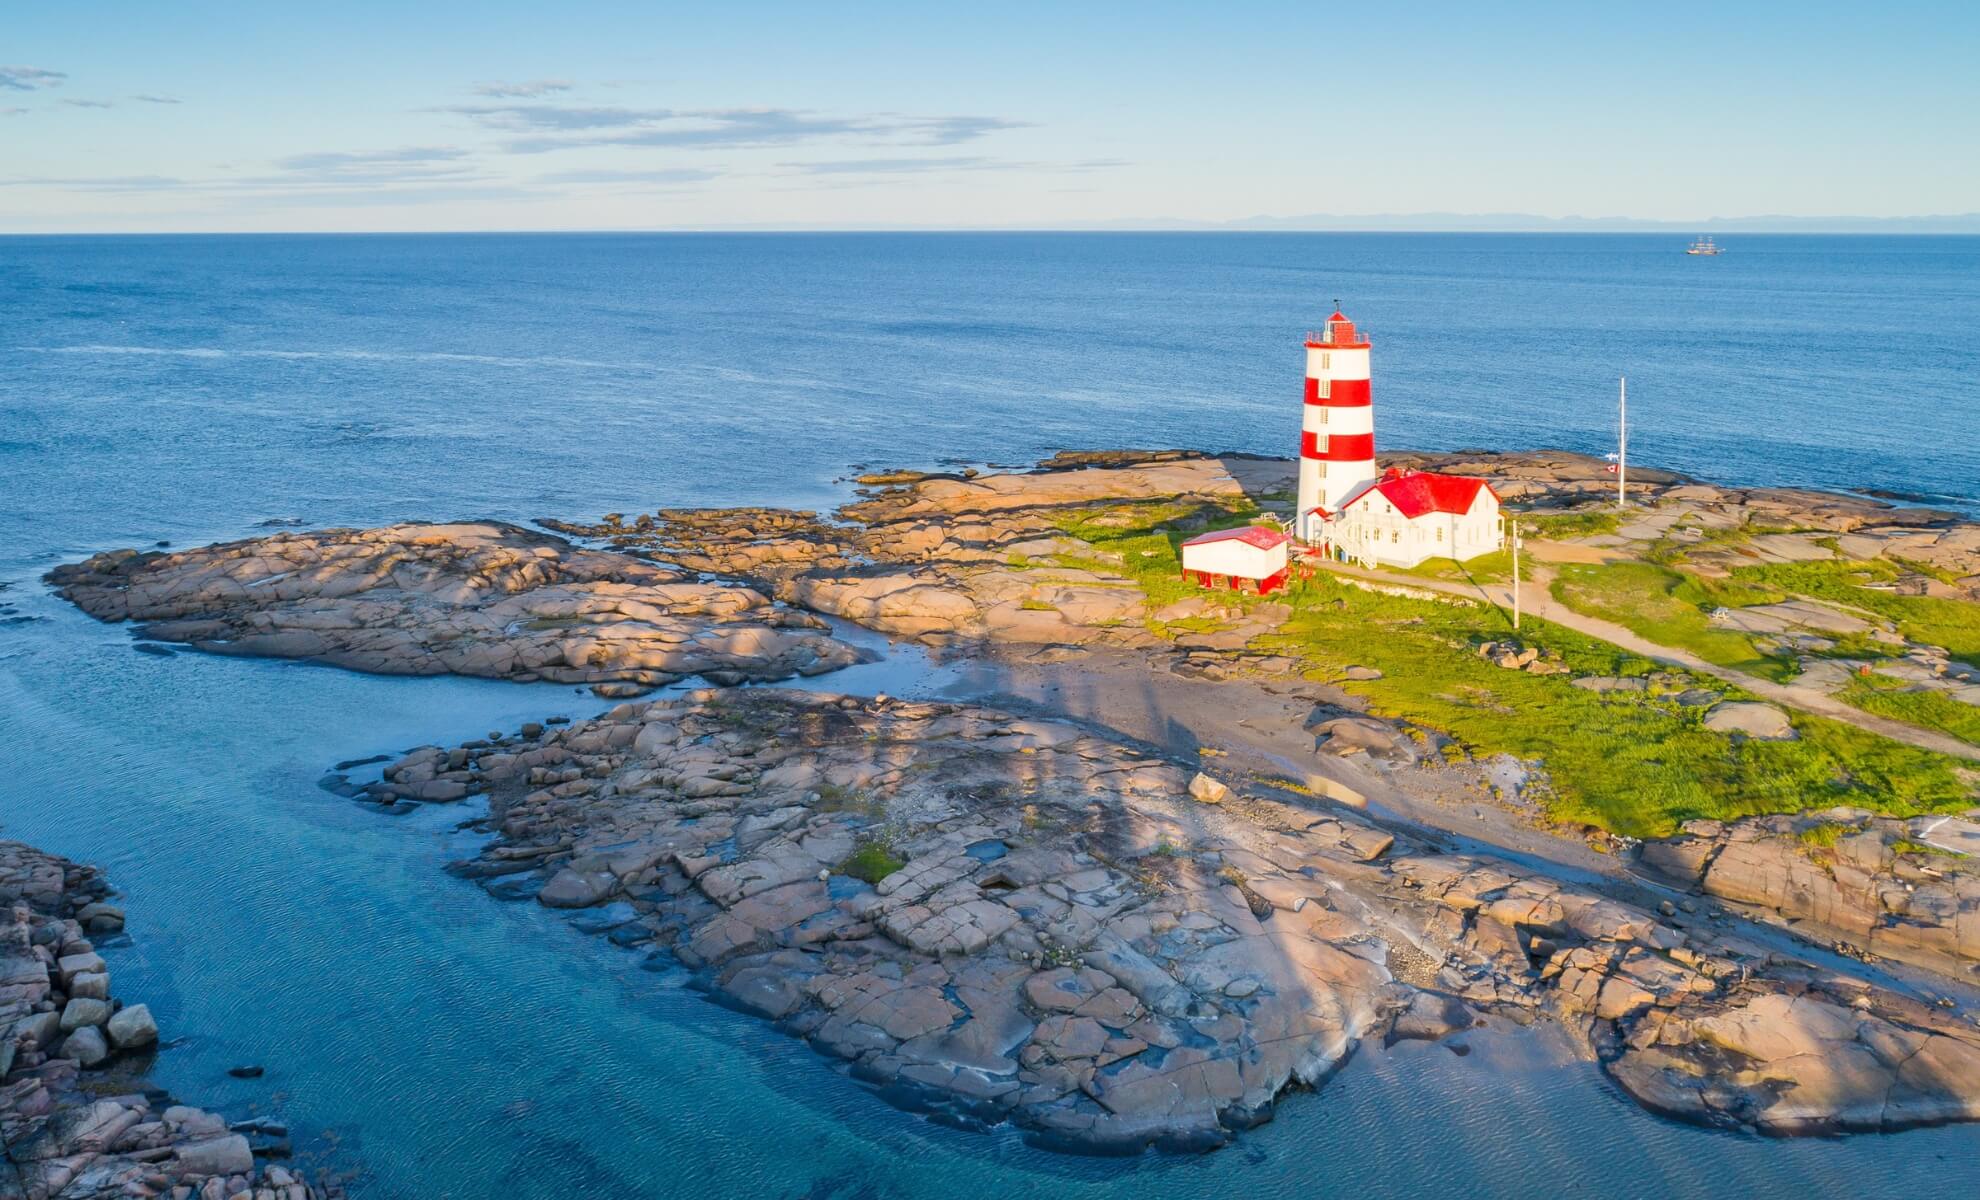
x,y
1350,513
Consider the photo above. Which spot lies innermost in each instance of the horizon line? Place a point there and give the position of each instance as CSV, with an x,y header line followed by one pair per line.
x,y
1104,228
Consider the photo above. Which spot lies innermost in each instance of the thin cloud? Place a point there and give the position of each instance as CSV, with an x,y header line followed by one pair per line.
x,y
950,131
88,103
525,90
559,117
958,162
342,161
356,177
290,191
373,197
429,169
549,127
663,175
439,165
29,79
157,99
15,111
104,183
899,166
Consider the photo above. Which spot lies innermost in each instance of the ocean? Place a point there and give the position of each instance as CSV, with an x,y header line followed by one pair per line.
x,y
189,389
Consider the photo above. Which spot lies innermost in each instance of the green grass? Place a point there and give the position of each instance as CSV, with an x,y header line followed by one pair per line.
x,y
1907,846
1942,574
871,863
1824,835
1923,707
1630,762
1954,624
1495,567
1557,526
1666,606
1149,552
1112,523
1672,550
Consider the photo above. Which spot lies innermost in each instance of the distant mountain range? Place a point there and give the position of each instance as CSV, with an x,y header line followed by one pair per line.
x,y
1440,222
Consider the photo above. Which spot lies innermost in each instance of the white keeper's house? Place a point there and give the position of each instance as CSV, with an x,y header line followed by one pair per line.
x,y
1405,517
1349,513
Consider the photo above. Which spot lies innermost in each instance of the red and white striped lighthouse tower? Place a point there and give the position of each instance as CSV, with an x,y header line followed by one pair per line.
x,y
1337,438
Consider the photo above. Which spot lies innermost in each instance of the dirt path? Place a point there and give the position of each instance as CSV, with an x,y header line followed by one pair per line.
x,y
1537,600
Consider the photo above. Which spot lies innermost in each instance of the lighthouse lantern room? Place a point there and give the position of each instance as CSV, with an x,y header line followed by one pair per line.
x,y
1337,436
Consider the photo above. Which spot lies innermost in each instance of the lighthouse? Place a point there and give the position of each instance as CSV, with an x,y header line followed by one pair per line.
x,y
1337,435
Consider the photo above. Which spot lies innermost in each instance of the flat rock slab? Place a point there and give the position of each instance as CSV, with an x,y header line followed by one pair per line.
x,y
1790,615
1755,720
481,599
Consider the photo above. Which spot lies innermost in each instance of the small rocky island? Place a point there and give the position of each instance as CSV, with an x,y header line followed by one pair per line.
x,y
487,600
1177,852
76,1118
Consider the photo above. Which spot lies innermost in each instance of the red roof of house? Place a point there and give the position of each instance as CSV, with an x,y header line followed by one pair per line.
x,y
1262,536
1418,492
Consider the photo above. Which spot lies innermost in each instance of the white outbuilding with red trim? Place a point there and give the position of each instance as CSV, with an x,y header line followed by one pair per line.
x,y
1252,555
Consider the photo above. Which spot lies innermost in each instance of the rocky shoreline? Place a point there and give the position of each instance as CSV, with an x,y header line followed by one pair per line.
x,y
1006,919
1907,890
76,1119
1003,918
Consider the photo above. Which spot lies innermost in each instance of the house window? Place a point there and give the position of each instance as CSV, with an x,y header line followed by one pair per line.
x,y
1326,360
1325,390
1323,416
1440,533
1395,535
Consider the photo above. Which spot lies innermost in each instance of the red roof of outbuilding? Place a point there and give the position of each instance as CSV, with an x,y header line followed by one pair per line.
x,y
1262,536
1418,492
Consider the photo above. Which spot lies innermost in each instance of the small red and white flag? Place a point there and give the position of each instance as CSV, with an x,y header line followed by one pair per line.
x,y
1611,468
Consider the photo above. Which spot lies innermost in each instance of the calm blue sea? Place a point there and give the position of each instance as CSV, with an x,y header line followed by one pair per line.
x,y
189,389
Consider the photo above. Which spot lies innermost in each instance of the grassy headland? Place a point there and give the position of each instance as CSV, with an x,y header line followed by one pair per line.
x,y
1662,597
1632,762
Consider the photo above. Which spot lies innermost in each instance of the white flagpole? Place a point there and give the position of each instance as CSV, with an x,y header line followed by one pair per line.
x,y
1515,548
1622,439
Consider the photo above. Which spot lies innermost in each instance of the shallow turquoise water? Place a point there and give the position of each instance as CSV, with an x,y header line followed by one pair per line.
x,y
449,1045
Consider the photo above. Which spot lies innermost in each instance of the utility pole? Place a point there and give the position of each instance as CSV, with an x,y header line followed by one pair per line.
x,y
1515,545
1622,439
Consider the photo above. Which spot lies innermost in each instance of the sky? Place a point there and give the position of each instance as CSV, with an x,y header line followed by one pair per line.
x,y
199,116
